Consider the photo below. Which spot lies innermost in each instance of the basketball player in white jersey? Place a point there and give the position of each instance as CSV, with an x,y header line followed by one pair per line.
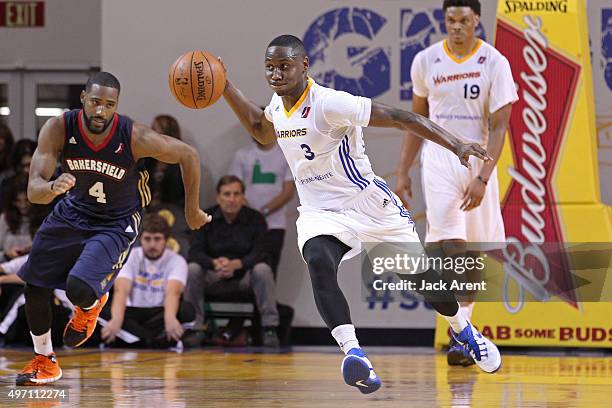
x,y
342,201
464,85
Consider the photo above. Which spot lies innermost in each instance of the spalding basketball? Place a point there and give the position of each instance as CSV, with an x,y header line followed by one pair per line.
x,y
197,79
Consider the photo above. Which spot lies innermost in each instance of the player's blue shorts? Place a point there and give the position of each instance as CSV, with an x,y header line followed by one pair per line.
x,y
69,244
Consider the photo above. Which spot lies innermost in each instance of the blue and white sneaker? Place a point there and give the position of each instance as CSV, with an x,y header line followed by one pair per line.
x,y
458,355
483,351
358,372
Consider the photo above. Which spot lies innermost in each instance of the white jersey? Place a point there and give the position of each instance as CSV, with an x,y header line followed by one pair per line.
x,y
322,140
463,93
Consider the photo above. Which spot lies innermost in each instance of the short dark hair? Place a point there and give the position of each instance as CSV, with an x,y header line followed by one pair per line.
x,y
473,4
288,40
168,125
103,79
229,179
155,223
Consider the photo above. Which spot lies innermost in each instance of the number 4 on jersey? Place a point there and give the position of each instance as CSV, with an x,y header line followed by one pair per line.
x,y
97,190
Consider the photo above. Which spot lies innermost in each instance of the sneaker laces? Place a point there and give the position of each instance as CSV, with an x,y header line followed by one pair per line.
x,y
477,349
35,364
82,318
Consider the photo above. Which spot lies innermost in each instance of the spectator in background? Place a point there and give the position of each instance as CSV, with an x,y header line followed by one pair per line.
x,y
167,189
147,293
166,182
227,258
20,165
15,232
13,327
6,150
269,187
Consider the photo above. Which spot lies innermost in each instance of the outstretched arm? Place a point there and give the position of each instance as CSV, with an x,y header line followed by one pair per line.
x,y
44,161
410,149
148,143
389,117
250,115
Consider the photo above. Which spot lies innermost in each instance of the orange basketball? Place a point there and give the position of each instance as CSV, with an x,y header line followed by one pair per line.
x,y
197,79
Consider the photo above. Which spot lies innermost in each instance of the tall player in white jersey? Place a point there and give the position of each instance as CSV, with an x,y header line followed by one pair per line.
x,y
342,200
464,85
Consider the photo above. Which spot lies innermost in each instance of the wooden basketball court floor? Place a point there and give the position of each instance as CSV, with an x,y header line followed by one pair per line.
x,y
310,377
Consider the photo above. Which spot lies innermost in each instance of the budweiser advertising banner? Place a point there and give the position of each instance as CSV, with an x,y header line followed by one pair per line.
x,y
552,278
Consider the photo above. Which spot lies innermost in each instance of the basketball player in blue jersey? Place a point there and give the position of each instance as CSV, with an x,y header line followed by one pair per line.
x,y
343,203
83,243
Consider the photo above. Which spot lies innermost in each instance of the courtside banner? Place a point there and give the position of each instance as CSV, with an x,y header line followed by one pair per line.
x,y
549,183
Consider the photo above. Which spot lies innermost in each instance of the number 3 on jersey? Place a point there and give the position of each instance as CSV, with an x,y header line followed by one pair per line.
x,y
97,190
309,154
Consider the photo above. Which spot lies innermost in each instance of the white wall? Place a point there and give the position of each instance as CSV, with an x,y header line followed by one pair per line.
x,y
70,38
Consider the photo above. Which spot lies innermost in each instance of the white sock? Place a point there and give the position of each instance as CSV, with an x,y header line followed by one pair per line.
x,y
42,343
345,336
457,322
468,310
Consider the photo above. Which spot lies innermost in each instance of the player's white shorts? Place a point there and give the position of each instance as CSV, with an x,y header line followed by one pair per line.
x,y
445,182
375,215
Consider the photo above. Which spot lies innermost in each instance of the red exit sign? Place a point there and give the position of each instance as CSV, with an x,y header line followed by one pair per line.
x,y
22,13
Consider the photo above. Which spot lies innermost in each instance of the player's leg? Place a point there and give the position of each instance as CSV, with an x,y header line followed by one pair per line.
x,y
43,369
323,255
456,248
399,229
93,274
54,250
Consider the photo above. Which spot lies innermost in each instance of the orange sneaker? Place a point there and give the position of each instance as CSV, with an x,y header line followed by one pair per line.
x,y
83,324
41,370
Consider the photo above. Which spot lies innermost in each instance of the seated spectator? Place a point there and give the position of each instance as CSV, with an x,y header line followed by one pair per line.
x,y
15,232
269,187
6,150
13,327
147,293
165,181
227,258
20,166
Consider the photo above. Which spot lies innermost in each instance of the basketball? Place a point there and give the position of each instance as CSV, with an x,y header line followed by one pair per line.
x,y
197,79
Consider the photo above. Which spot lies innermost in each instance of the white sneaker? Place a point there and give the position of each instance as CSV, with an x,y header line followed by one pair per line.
x,y
483,351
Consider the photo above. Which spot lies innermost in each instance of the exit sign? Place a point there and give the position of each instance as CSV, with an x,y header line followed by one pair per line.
x,y
22,13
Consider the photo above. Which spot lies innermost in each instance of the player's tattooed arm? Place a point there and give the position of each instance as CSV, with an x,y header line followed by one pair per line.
x,y
250,115
44,162
390,117
148,143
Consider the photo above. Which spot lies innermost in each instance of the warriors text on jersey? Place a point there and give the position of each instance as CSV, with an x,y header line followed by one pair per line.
x,y
109,184
322,140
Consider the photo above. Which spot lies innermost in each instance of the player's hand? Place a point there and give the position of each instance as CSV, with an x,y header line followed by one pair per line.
x,y
465,150
403,188
174,330
12,253
473,195
196,219
110,331
63,183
